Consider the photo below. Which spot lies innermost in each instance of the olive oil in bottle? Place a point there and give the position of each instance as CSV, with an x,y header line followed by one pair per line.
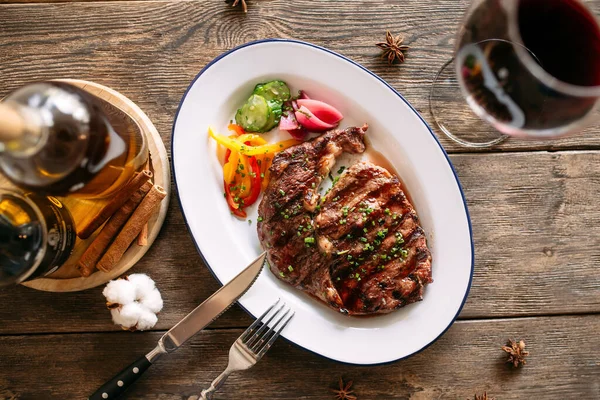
x,y
37,236
58,139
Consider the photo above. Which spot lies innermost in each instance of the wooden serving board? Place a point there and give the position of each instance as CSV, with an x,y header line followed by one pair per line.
x,y
67,278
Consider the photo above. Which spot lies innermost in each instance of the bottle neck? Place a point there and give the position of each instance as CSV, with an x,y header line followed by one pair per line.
x,y
21,128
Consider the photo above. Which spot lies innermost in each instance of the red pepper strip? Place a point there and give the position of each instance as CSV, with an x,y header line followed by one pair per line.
x,y
236,128
232,205
256,184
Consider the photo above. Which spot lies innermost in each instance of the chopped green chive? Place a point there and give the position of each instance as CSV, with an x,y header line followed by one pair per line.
x,y
381,234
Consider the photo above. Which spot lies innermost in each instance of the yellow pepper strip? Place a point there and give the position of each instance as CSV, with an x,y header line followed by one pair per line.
x,y
267,174
266,163
230,167
246,179
254,140
235,145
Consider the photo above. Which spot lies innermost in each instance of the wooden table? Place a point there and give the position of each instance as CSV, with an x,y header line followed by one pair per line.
x,y
534,207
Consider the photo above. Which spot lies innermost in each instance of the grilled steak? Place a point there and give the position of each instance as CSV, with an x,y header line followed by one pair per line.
x,y
360,248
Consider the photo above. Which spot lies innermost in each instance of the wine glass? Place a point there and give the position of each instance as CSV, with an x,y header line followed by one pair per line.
x,y
529,68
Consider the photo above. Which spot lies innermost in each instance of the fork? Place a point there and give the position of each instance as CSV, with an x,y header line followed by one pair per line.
x,y
252,345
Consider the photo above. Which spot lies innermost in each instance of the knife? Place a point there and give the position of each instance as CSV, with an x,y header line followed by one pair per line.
x,y
193,323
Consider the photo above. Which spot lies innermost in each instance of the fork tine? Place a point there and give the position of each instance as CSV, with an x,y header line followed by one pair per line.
x,y
268,345
268,335
258,332
255,323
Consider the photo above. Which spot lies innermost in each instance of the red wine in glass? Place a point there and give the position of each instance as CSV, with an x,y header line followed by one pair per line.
x,y
530,68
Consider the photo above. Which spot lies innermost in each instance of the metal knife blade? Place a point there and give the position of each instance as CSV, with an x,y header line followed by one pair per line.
x,y
212,307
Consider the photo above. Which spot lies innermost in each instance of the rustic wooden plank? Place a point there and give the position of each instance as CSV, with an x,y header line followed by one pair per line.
x,y
57,1
69,1
536,228
563,364
535,221
151,50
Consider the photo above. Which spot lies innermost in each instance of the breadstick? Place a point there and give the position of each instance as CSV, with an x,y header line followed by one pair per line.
x,y
131,229
87,263
117,202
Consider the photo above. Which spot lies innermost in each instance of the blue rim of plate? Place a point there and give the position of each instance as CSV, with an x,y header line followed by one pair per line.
x,y
256,42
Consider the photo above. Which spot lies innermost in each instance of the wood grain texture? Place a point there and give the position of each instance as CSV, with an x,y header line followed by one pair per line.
x,y
563,364
151,50
535,217
537,238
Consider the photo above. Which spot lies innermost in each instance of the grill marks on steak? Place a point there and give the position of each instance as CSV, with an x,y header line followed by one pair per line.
x,y
369,253
292,196
379,255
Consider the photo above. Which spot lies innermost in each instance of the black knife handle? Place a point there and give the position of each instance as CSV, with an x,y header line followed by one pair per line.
x,y
122,381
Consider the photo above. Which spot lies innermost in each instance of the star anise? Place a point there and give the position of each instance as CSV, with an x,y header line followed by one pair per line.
x,y
484,396
393,48
344,392
236,2
516,352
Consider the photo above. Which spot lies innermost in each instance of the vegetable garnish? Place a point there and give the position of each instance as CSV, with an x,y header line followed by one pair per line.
x,y
242,148
246,166
262,111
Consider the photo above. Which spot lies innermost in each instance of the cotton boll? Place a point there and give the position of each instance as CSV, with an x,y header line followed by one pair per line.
x,y
143,285
152,301
128,315
146,320
134,301
120,291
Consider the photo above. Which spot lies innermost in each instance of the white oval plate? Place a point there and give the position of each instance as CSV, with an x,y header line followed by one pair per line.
x,y
395,129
